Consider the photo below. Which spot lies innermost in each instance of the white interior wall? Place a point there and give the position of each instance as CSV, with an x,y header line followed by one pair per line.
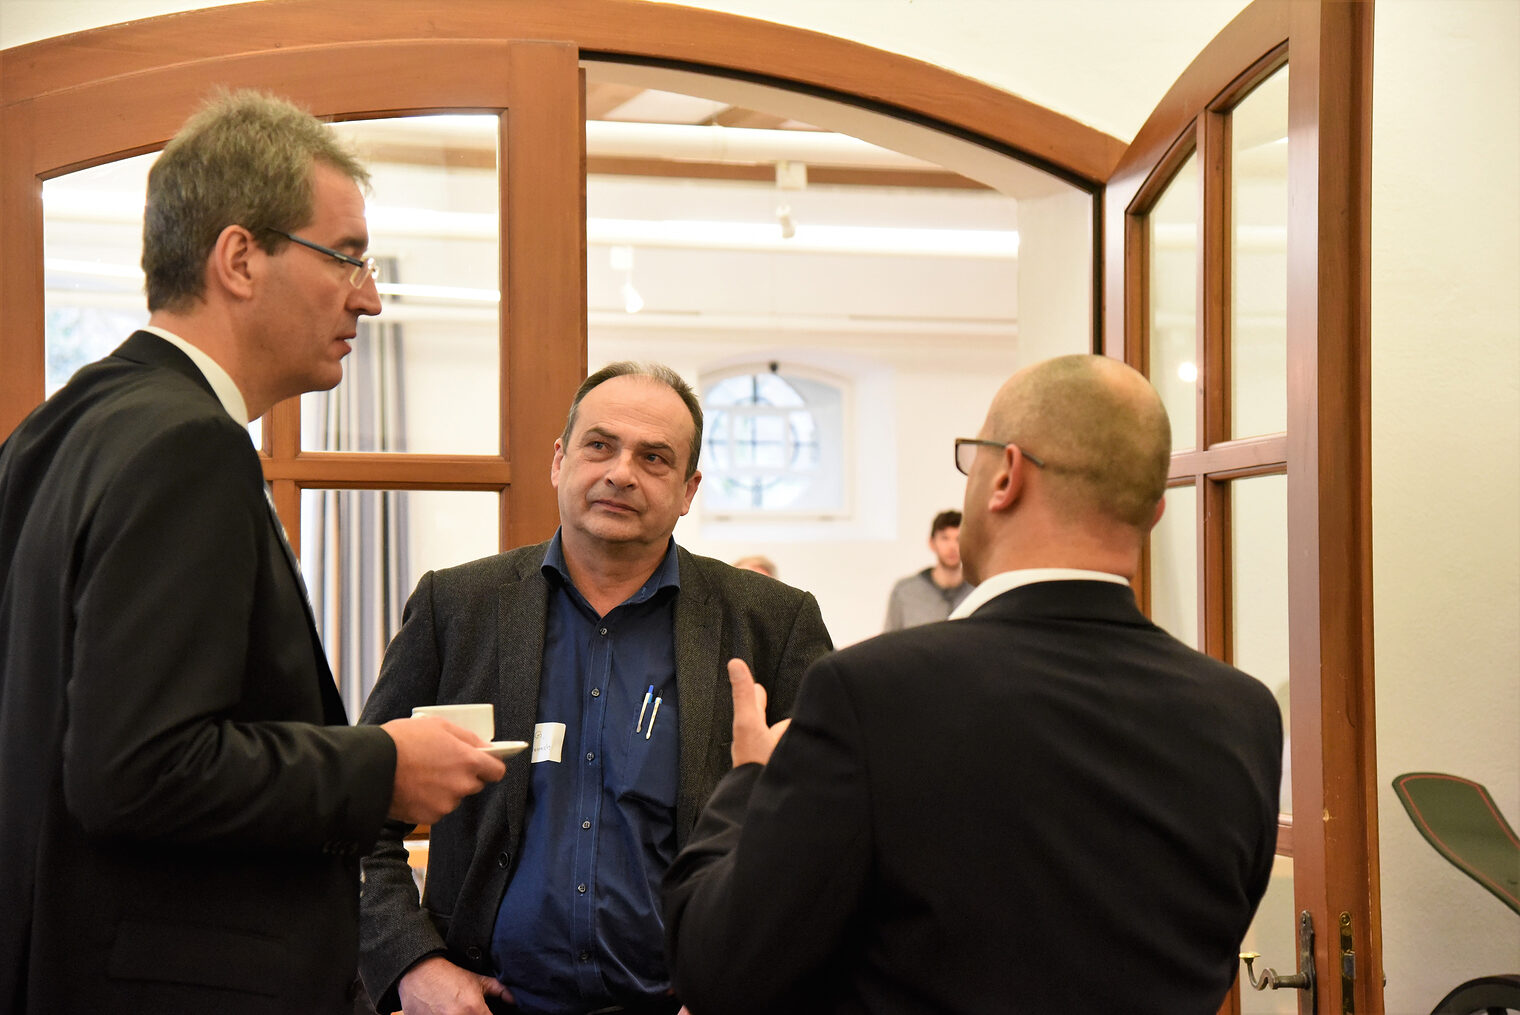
x,y
1130,52
1055,276
924,341
1445,463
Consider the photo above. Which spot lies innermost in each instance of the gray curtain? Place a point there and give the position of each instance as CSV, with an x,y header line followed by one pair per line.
x,y
360,573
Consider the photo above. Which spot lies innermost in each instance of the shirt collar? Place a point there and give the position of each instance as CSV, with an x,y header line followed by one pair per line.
x,y
1009,580
220,380
666,576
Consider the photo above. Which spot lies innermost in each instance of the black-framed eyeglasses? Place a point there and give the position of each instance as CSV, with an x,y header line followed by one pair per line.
x,y
965,452
362,266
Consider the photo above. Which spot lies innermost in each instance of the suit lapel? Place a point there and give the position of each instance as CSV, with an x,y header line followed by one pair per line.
x,y
151,350
699,677
332,700
522,602
289,554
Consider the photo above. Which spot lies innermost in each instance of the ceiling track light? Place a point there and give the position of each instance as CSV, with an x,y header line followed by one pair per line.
x,y
621,259
789,176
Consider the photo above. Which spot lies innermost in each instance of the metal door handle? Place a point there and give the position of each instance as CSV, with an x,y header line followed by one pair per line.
x,y
1301,980
1271,977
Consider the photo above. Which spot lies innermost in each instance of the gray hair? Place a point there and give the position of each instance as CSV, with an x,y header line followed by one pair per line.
x,y
655,372
245,158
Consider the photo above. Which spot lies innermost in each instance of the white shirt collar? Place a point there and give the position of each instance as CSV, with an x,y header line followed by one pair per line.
x,y
220,380
1007,580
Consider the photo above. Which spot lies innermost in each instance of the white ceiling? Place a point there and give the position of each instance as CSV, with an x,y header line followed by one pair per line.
x,y
1105,63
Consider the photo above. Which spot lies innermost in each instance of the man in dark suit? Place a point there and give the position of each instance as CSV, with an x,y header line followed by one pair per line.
x,y
184,804
1043,804
604,648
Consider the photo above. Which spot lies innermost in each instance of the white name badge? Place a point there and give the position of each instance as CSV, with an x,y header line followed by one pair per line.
x,y
548,740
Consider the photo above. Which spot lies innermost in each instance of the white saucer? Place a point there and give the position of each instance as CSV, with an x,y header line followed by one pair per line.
x,y
505,748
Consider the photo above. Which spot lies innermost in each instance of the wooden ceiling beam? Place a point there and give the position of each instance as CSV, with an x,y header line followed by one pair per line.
x,y
607,165
603,97
734,116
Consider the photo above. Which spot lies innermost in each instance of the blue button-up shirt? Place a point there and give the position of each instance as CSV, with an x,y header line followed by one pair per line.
x,y
579,926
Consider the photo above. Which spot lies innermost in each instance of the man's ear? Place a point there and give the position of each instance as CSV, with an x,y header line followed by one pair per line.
x,y
691,490
230,264
554,464
1008,482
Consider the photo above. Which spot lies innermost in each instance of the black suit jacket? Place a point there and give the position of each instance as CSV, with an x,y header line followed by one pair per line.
x,y
179,831
476,633
1051,805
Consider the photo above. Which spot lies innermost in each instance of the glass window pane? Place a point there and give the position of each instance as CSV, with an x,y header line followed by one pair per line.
x,y
362,552
92,263
1173,324
1259,566
1259,260
1174,566
1274,935
424,375
773,442
92,267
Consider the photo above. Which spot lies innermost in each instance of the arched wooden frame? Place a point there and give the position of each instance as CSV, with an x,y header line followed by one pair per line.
x,y
1326,452
61,109
650,32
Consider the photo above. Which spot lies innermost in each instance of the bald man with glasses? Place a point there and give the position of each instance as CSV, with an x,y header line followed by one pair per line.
x,y
1044,804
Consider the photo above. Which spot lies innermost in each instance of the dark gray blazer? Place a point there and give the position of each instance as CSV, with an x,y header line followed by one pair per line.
x,y
184,802
475,633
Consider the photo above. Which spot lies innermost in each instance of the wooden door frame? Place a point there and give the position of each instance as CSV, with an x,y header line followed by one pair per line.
x,y
1327,449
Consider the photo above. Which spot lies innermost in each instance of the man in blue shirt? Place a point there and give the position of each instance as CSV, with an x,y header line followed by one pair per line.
x,y
605,648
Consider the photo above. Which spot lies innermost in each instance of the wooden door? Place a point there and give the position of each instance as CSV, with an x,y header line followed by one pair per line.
x,y
1235,277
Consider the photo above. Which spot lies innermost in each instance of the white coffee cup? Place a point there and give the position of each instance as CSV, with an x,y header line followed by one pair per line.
x,y
478,719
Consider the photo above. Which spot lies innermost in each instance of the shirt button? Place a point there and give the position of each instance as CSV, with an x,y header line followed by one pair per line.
x,y
472,953
604,632
590,755
586,824
581,888
585,956
502,860
596,692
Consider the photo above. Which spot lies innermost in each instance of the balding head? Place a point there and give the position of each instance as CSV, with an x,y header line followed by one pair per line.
x,y
1100,429
1103,443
